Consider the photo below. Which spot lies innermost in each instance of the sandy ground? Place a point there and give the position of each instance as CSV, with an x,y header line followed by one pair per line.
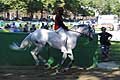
x,y
39,73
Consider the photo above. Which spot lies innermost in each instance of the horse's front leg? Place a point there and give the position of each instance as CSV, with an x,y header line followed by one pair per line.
x,y
70,55
64,50
64,56
59,66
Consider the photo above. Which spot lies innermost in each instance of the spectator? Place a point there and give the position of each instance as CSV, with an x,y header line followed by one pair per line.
x,y
20,27
33,28
6,28
16,29
25,29
42,26
13,25
48,19
46,26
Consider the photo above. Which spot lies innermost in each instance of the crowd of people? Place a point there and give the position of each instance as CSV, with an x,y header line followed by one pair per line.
x,y
23,27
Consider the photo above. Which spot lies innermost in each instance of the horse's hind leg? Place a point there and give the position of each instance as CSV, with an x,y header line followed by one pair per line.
x,y
26,42
37,57
34,54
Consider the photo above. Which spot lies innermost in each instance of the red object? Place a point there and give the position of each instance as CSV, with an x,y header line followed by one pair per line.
x,y
56,27
58,19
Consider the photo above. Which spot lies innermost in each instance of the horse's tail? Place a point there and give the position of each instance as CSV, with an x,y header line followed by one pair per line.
x,y
24,44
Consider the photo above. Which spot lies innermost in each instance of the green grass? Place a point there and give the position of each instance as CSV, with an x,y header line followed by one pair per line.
x,y
114,52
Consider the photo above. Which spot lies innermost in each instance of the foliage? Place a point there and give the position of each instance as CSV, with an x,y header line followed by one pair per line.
x,y
75,6
72,5
116,9
34,6
4,7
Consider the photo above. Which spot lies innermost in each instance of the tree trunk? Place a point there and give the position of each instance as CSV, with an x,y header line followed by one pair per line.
x,y
41,13
17,16
31,15
8,15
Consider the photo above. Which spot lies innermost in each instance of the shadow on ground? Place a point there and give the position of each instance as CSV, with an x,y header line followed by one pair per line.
x,y
39,73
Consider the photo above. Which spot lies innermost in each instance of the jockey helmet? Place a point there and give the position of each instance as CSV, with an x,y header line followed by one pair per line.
x,y
59,10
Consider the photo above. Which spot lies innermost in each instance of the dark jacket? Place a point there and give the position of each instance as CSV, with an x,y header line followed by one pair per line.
x,y
59,22
104,38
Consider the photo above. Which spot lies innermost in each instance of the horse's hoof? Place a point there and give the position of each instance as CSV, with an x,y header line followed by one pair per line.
x,y
37,64
47,66
55,67
66,69
55,73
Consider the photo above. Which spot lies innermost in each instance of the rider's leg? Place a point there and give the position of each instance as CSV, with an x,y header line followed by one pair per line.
x,y
62,33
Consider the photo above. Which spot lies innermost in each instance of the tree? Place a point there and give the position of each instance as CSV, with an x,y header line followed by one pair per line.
x,y
33,6
17,5
4,7
49,5
107,9
14,5
116,9
72,5
87,7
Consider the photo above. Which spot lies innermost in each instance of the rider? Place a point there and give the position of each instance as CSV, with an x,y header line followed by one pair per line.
x,y
59,20
105,43
59,25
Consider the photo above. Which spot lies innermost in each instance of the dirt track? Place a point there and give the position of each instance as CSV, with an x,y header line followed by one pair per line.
x,y
39,73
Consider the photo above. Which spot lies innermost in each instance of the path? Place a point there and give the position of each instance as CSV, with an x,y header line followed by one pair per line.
x,y
33,73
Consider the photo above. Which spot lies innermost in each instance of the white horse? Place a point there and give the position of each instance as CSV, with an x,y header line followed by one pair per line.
x,y
42,36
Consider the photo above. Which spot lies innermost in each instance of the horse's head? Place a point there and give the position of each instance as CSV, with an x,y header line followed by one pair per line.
x,y
86,30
